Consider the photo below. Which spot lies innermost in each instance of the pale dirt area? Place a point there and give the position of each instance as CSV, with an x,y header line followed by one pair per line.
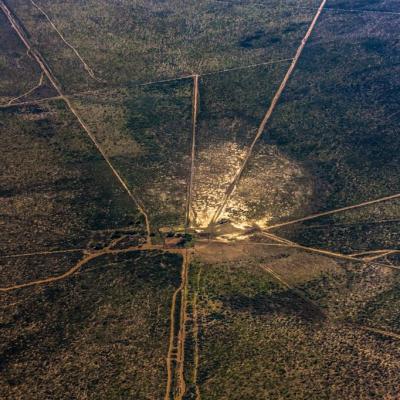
x,y
272,186
215,167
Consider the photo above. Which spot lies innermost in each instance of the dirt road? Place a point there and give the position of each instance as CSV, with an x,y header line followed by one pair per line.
x,y
195,103
267,116
338,210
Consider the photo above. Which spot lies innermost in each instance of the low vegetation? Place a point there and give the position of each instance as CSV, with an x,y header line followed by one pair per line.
x,y
260,340
101,334
56,188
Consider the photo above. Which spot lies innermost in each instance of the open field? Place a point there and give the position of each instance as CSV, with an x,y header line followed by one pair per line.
x,y
258,339
152,40
199,200
55,187
101,333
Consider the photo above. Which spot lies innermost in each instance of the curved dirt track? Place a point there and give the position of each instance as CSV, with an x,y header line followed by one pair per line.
x,y
27,93
89,256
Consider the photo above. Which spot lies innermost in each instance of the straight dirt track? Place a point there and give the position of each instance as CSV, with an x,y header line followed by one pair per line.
x,y
267,116
195,102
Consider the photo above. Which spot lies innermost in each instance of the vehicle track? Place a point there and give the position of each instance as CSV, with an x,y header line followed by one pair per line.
x,y
89,256
267,116
47,71
37,86
338,210
41,253
181,382
326,8
304,297
85,65
297,292
366,253
382,332
171,347
328,253
344,225
195,102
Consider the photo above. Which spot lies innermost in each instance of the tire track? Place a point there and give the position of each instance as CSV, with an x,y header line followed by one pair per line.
x,y
196,331
42,253
328,253
87,258
181,382
176,351
119,86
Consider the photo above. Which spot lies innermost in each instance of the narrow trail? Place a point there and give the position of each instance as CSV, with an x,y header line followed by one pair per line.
x,y
249,66
89,256
328,253
382,332
195,103
303,296
332,9
345,225
384,254
30,103
37,86
85,65
338,210
285,243
42,253
366,253
47,71
267,116
377,12
171,347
